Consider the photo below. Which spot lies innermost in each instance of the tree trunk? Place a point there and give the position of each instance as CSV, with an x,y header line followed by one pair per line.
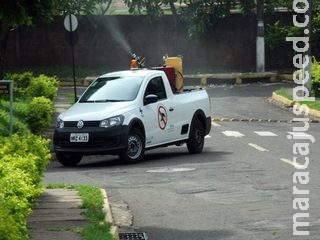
x,y
4,33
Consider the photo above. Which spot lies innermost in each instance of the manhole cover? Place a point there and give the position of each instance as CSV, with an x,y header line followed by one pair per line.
x,y
170,170
133,236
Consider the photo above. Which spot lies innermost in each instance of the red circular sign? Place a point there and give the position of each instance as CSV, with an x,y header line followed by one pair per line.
x,y
162,117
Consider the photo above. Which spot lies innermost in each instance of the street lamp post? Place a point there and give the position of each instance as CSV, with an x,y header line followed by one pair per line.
x,y
260,46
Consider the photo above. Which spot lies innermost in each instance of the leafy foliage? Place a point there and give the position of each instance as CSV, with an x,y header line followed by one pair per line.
x,y
21,82
276,34
19,12
315,84
43,86
80,7
26,144
39,114
22,162
19,123
202,15
29,112
15,13
152,8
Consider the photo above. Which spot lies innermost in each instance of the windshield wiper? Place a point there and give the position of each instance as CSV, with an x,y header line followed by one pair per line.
x,y
103,100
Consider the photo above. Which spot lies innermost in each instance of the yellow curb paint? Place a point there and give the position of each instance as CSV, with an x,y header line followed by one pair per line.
x,y
290,103
282,100
114,230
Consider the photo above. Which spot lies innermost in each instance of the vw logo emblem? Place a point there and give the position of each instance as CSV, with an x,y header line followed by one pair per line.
x,y
80,124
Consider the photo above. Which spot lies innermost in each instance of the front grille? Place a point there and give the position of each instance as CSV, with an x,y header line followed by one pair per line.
x,y
73,124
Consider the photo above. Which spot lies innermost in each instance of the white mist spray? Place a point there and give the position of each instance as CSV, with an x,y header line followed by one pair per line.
x,y
113,26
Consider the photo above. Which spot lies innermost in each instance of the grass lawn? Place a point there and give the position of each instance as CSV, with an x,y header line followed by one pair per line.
x,y
314,105
311,104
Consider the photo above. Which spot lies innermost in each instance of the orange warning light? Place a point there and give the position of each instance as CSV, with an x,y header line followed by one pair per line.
x,y
134,64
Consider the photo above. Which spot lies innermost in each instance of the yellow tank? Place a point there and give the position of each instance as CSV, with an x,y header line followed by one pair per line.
x,y
176,62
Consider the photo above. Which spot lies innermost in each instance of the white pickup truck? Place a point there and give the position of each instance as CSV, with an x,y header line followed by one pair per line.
x,y
125,113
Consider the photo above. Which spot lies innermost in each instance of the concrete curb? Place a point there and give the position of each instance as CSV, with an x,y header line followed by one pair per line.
x,y
282,100
289,103
114,230
312,112
315,113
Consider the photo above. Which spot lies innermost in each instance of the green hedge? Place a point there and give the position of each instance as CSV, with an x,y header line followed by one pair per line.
x,y
19,117
26,85
43,86
315,84
23,159
33,103
21,82
23,156
39,114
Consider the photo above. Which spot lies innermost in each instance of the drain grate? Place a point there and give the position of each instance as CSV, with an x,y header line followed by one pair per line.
x,y
133,236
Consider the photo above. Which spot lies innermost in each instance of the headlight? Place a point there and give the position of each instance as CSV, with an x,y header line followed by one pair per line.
x,y
60,123
113,121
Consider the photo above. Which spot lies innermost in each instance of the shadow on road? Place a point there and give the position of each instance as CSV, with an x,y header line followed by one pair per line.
x,y
153,158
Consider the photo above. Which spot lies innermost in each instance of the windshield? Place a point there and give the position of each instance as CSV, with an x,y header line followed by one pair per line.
x,y
112,89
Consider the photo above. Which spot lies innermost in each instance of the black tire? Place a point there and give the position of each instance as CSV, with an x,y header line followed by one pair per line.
x,y
136,147
196,137
69,159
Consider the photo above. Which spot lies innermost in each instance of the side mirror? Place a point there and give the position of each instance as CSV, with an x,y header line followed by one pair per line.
x,y
151,98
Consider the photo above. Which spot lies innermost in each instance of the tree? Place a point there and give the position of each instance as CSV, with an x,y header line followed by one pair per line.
x,y
201,15
277,32
153,8
84,7
15,13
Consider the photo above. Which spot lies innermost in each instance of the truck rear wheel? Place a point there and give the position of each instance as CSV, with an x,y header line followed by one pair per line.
x,y
196,138
69,159
136,147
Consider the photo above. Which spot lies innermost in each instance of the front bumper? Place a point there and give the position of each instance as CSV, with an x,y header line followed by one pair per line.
x,y
101,140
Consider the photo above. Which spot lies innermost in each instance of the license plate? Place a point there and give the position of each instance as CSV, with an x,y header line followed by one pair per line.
x,y
79,137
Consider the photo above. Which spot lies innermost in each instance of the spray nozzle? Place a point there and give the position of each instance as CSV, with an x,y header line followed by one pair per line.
x,y
141,61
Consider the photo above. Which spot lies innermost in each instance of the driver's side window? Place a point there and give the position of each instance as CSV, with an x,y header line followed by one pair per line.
x,y
156,87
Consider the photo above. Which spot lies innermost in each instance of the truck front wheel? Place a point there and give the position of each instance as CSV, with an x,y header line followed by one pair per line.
x,y
136,147
69,159
196,138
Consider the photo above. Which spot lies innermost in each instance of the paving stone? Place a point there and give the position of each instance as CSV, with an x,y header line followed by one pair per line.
x,y
57,216
54,235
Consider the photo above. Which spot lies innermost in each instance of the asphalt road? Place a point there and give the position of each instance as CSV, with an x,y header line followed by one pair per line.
x,y
239,188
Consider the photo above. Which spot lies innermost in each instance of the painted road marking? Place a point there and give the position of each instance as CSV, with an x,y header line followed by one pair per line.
x,y
265,134
259,148
233,134
215,124
296,165
207,136
299,134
